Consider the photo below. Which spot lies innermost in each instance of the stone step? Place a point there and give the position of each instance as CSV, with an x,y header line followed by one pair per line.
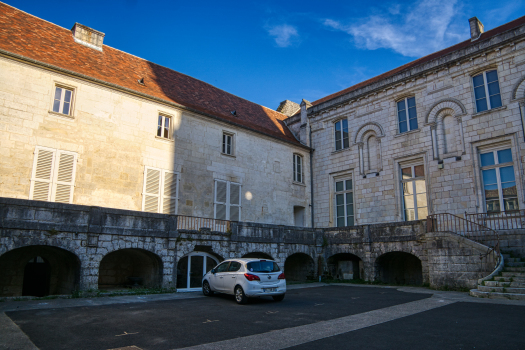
x,y
513,274
508,279
514,269
501,289
515,264
505,284
490,295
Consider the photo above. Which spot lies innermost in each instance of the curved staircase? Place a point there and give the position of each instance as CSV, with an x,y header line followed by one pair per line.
x,y
509,284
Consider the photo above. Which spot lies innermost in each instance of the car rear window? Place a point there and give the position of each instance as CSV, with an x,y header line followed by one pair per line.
x,y
262,266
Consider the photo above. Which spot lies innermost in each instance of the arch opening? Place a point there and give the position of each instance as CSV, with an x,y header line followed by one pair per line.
x,y
38,271
299,267
258,255
128,268
192,267
345,266
399,268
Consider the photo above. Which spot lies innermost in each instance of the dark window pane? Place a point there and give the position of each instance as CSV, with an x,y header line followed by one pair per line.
x,y
487,159
56,106
493,206
411,102
401,105
263,266
509,189
406,173
504,156
491,192
350,221
481,105
350,209
298,161
478,80
506,174
493,88
339,186
403,127
339,199
348,184
58,93
66,108
340,222
349,198
234,266
489,177
479,92
402,115
67,96
419,170
222,267
412,113
495,101
345,124
337,126
340,210
413,124
492,76
346,143
511,204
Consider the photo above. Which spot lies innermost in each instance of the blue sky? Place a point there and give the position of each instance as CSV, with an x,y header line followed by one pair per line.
x,y
269,51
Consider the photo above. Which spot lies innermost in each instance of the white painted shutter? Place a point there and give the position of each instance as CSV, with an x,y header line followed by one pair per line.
x,y
151,196
41,183
235,202
64,182
169,196
221,192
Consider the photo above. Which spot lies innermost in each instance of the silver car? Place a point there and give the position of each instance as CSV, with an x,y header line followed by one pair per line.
x,y
246,278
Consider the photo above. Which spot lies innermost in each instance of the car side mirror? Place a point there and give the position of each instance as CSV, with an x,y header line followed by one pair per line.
x,y
213,271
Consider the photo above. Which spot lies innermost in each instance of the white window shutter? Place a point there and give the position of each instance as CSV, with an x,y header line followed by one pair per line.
x,y
221,189
235,202
65,177
151,196
42,179
169,196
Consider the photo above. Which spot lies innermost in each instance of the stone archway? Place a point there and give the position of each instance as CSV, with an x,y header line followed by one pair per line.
x,y
38,271
258,255
345,266
130,267
299,267
399,268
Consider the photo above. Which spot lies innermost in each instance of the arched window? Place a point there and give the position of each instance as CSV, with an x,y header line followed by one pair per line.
x,y
449,134
372,153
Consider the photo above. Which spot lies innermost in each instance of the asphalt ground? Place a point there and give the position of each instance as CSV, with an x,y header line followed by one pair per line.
x,y
456,326
163,325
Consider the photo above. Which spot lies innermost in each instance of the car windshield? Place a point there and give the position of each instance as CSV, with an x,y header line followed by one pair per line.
x,y
263,266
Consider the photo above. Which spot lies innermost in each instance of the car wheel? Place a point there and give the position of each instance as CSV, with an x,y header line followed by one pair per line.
x,y
278,297
206,289
240,297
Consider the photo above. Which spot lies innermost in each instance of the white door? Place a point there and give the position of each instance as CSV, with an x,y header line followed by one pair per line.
x,y
191,269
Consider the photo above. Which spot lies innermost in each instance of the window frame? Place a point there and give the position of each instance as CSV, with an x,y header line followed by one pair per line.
x,y
64,87
161,126
161,196
225,136
407,114
413,180
298,167
341,132
345,204
497,165
486,90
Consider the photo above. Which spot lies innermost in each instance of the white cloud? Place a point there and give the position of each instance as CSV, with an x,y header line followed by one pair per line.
x,y
412,30
284,35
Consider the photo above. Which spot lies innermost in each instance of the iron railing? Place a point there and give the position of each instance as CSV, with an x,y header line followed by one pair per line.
x,y
499,221
197,223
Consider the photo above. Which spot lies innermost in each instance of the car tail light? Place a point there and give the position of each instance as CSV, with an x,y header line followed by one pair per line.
x,y
251,277
281,276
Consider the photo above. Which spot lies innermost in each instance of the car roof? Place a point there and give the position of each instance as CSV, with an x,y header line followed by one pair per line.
x,y
247,260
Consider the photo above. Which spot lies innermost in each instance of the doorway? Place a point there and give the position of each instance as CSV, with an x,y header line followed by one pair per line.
x,y
192,268
37,277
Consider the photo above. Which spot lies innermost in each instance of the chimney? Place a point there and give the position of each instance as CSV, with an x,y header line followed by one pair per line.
x,y
476,28
304,114
88,36
288,108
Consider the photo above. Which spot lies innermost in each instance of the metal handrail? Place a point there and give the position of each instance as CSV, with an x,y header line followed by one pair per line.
x,y
505,220
197,223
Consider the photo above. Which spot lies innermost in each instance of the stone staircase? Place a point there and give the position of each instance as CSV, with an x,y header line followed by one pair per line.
x,y
509,284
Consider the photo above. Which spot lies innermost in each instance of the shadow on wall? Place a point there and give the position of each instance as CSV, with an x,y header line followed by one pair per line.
x,y
38,271
128,268
299,267
399,268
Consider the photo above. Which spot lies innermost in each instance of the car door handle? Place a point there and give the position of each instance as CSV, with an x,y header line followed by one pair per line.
x,y
233,276
221,276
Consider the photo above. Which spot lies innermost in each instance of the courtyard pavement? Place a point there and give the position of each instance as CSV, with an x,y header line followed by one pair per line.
x,y
314,316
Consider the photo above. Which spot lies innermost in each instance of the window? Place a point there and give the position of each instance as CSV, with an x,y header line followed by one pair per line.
x,y
499,183
486,84
341,135
227,200
227,144
263,266
53,176
160,192
344,203
414,192
234,266
406,113
297,168
163,128
62,100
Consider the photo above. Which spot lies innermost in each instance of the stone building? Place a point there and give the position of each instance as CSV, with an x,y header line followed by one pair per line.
x,y
113,167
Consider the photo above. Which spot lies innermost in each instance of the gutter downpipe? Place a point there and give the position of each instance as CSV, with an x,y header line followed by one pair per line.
x,y
311,174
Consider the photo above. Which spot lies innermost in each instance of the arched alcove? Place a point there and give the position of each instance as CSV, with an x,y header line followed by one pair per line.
x,y
130,268
38,271
399,268
299,267
192,267
345,266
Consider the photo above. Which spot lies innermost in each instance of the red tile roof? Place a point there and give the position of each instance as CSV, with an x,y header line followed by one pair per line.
x,y
488,34
34,38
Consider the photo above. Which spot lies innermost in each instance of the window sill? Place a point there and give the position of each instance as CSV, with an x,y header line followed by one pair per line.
x,y
489,111
298,183
158,138
67,116
228,155
407,132
341,150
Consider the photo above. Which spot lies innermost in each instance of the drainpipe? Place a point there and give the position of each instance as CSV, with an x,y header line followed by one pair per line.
x,y
311,174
